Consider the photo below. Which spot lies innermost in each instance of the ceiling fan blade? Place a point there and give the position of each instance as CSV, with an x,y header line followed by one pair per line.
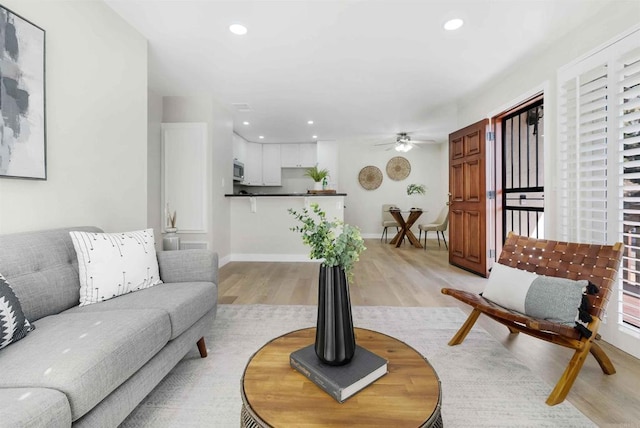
x,y
423,141
383,144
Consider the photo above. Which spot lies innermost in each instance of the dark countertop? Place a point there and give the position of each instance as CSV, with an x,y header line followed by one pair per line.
x,y
296,195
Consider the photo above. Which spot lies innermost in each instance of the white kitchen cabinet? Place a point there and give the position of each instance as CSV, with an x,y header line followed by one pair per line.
x,y
271,165
289,155
303,155
262,165
253,165
308,154
184,175
239,148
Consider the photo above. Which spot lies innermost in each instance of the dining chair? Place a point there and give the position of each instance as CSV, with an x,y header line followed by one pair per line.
x,y
387,220
439,226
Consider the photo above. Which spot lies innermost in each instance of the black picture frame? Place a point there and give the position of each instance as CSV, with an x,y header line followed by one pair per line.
x,y
23,146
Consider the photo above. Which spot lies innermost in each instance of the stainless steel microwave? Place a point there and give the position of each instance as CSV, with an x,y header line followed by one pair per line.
x,y
238,170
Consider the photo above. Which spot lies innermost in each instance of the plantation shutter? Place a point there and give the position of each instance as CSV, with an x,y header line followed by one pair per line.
x,y
599,170
629,133
583,155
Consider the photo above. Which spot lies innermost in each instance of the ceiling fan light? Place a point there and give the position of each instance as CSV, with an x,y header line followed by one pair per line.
x,y
238,29
403,147
453,24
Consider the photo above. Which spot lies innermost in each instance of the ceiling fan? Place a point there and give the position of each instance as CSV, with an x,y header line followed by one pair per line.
x,y
404,143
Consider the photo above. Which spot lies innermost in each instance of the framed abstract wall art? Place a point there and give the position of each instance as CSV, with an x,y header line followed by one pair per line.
x,y
22,98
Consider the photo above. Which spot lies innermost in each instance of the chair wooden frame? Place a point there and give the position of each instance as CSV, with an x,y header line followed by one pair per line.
x,y
596,263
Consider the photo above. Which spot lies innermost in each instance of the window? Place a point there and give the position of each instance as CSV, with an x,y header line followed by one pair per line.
x,y
629,139
599,169
583,156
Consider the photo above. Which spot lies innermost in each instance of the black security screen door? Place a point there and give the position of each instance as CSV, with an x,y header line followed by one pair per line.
x,y
523,172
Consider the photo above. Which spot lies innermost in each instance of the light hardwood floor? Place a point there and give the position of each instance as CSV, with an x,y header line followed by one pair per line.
x,y
406,276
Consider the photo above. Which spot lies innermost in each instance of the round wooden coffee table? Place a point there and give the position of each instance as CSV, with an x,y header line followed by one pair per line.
x,y
275,395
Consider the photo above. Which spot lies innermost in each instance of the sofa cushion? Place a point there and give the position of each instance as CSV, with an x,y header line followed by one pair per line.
x,y
34,407
85,355
184,302
42,268
13,324
113,264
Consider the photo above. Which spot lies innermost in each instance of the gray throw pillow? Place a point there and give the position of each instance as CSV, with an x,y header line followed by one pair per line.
x,y
13,324
549,298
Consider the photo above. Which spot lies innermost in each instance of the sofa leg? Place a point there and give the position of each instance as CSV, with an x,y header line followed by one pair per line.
x,y
202,348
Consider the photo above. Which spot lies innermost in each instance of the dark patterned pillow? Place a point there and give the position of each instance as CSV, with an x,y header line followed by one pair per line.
x,y
13,325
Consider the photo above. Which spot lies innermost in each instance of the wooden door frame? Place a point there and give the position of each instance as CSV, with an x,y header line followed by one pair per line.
x,y
495,124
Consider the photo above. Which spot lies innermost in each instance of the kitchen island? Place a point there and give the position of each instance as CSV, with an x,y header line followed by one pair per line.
x,y
261,225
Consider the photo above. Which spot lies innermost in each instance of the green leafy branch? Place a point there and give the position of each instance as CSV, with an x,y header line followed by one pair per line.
x,y
336,243
416,189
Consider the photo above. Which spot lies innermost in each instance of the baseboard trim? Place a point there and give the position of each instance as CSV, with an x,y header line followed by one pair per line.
x,y
270,258
224,260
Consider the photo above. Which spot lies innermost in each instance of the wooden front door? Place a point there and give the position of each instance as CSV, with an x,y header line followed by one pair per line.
x,y
468,198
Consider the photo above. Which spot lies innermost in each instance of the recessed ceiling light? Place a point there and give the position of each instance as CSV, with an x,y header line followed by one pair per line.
x,y
245,123
261,137
238,29
453,24
314,136
310,122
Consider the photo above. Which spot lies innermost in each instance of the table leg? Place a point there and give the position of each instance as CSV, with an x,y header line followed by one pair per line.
x,y
413,217
397,216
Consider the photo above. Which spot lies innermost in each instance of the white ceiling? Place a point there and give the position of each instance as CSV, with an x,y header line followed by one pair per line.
x,y
359,69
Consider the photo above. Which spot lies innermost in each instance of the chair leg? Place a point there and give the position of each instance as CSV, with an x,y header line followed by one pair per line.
x,y
605,363
438,235
382,236
202,348
466,327
569,376
445,241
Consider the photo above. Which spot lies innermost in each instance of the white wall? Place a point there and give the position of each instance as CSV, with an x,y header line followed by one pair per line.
x,y
96,113
220,158
328,155
154,154
222,131
364,206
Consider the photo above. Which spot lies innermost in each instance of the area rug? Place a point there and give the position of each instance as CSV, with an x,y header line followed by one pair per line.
x,y
483,384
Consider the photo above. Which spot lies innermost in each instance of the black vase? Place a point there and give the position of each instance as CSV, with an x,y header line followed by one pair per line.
x,y
335,339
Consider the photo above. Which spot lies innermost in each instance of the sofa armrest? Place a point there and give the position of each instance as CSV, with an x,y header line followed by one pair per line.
x,y
188,266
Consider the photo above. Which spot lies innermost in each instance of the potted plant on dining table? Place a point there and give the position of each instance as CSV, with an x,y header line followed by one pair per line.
x,y
338,245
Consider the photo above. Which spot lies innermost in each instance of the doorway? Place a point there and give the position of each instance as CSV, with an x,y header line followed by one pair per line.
x,y
522,135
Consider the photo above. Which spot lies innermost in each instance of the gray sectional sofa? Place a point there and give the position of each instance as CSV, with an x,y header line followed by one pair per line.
x,y
92,365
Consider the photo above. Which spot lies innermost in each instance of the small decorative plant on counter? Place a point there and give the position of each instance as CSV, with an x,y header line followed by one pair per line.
x,y
338,245
316,174
319,176
416,189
